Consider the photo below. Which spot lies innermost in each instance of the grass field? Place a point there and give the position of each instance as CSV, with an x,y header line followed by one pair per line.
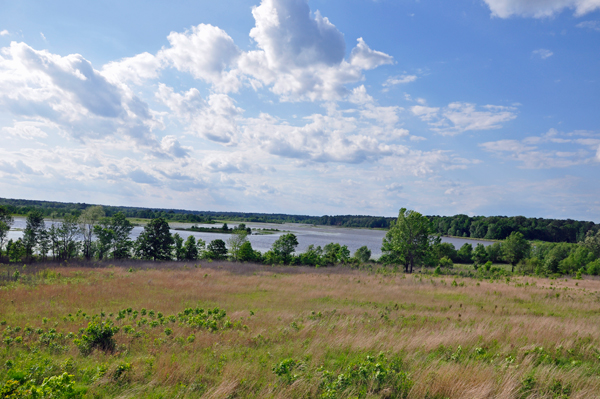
x,y
290,332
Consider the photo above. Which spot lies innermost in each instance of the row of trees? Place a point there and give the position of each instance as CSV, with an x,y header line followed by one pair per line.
x,y
92,235
412,241
501,227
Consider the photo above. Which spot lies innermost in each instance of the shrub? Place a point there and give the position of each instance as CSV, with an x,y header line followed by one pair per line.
x,y
446,262
593,268
97,335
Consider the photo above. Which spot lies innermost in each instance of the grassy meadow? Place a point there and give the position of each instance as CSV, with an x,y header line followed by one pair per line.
x,y
226,330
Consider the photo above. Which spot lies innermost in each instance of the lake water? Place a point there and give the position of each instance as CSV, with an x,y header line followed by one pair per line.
x,y
307,234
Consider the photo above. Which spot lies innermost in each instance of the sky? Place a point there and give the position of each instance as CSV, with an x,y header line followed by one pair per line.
x,y
481,107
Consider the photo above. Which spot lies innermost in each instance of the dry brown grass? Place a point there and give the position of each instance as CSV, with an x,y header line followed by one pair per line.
x,y
423,318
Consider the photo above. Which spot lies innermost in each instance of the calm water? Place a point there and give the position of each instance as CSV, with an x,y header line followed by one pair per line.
x,y
307,234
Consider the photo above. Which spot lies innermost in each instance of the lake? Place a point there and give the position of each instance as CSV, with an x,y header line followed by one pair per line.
x,y
307,234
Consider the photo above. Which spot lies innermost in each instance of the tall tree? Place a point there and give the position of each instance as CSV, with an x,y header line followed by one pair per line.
x,y
178,247
113,237
480,255
284,246
34,225
237,239
190,249
68,232
87,220
156,241
216,249
409,241
515,248
592,242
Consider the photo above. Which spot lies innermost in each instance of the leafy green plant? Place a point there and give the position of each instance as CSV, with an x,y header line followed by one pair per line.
x,y
97,335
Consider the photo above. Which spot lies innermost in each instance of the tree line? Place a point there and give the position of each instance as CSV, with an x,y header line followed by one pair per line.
x,y
412,242
93,235
492,227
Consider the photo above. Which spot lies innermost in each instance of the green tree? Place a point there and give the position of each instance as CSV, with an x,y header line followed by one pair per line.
x,y
6,221
331,253
190,249
465,253
236,240
313,256
68,231
178,247
246,253
216,249
409,240
445,249
515,248
87,221
592,242
480,255
284,246
156,241
494,252
34,225
363,254
113,237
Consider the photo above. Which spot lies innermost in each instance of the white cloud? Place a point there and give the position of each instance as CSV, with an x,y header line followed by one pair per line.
x,y
134,69
171,146
215,119
460,117
67,94
424,112
28,130
207,53
402,79
4,33
394,187
543,53
530,153
592,25
301,57
43,37
539,8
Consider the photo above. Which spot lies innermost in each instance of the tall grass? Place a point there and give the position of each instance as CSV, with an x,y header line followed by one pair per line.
x,y
444,336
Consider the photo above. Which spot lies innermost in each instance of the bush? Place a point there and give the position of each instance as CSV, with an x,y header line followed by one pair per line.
x,y
97,335
593,268
363,254
446,262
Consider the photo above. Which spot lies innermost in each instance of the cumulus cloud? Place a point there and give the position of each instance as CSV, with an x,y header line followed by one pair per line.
x,y
543,53
460,117
216,118
539,8
206,52
134,69
301,56
67,93
4,32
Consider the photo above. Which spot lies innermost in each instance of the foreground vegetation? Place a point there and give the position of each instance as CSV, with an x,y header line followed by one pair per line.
x,y
224,329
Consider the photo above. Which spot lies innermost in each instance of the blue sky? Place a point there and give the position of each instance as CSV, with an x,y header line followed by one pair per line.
x,y
483,107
